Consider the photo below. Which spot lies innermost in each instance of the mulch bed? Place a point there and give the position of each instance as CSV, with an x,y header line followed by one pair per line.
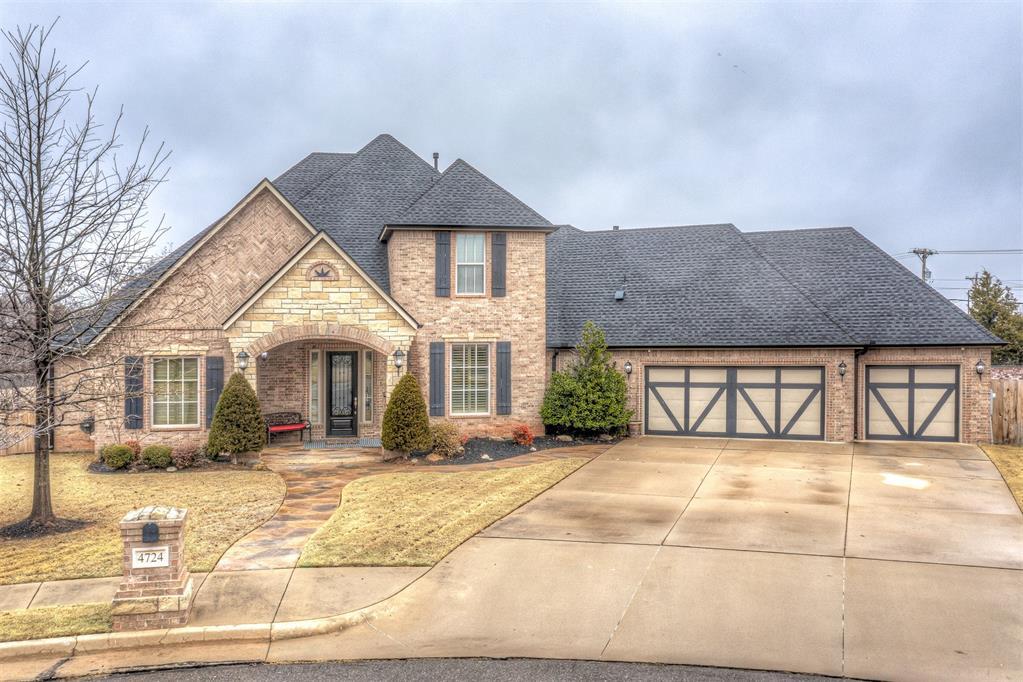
x,y
28,529
476,448
98,467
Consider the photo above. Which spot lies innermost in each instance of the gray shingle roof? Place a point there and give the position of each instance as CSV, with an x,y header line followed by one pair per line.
x,y
700,285
711,285
363,193
464,196
865,290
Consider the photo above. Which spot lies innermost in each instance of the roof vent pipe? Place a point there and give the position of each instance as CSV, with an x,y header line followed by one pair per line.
x,y
436,161
614,227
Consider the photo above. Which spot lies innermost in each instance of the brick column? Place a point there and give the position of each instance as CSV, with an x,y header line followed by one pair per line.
x,y
156,591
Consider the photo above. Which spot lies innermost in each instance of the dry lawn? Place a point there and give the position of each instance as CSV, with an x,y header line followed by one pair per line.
x,y
54,621
416,519
223,505
1009,460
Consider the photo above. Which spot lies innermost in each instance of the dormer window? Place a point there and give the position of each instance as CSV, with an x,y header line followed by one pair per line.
x,y
470,259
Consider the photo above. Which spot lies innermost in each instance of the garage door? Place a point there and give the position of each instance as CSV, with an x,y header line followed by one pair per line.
x,y
918,402
740,402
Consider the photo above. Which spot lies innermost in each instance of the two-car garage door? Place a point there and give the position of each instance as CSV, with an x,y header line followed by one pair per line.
x,y
740,402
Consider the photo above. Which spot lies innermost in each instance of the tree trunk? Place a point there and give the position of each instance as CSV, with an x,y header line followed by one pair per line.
x,y
42,506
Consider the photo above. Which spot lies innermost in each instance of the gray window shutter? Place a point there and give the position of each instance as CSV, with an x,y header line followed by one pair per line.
x,y
504,405
436,378
214,385
133,367
442,263
498,260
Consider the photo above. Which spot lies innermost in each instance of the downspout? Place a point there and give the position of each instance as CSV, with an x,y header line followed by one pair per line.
x,y
857,412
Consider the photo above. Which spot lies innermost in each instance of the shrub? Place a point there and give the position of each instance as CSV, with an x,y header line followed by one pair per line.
x,y
185,456
446,441
136,449
406,426
237,422
157,456
523,435
116,456
590,396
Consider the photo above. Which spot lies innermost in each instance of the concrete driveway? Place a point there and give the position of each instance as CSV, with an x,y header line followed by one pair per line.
x,y
884,561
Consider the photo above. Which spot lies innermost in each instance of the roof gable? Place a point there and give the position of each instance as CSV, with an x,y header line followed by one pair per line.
x,y
313,251
359,196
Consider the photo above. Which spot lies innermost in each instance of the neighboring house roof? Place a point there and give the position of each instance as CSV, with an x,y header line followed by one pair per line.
x,y
464,197
867,291
701,285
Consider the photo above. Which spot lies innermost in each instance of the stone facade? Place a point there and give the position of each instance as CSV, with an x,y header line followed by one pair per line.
x,y
344,308
518,317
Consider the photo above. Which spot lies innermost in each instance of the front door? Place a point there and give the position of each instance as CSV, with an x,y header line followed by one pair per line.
x,y
343,405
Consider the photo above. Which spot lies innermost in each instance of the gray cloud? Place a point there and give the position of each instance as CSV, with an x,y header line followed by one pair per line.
x,y
901,120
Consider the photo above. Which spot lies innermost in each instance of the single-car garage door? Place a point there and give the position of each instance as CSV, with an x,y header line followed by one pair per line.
x,y
740,402
913,402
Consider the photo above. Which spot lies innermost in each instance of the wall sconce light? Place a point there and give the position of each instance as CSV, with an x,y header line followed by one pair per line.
x,y
980,367
399,359
243,360
628,368
263,356
842,367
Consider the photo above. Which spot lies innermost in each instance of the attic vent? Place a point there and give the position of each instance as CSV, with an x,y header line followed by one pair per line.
x,y
620,295
614,227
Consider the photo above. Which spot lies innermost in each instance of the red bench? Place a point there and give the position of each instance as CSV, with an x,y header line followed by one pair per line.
x,y
286,422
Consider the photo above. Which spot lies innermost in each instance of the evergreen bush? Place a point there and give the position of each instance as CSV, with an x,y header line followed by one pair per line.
x,y
588,397
406,426
238,424
116,456
446,441
158,456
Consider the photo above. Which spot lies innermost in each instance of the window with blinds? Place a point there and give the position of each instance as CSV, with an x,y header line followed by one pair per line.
x,y
470,378
470,268
175,391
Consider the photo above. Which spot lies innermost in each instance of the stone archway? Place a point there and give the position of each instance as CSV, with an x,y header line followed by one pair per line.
x,y
320,330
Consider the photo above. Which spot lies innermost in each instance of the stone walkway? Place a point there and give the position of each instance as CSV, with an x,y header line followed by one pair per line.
x,y
314,480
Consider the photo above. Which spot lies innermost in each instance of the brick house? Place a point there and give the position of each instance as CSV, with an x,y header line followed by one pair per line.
x,y
349,265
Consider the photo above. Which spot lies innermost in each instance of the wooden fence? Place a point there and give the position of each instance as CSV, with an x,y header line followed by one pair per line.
x,y
17,426
1007,411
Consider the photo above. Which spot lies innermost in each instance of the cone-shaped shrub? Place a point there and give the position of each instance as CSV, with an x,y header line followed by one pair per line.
x,y
406,425
237,421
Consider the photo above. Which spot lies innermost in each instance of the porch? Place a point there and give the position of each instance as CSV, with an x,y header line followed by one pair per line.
x,y
339,387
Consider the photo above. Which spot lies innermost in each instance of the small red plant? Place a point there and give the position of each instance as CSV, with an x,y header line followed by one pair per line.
x,y
523,435
463,439
136,449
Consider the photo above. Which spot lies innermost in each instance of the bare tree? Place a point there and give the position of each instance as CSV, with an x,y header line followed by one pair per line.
x,y
75,242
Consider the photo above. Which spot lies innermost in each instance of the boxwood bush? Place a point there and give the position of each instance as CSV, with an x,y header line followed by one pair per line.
x,y
116,456
157,456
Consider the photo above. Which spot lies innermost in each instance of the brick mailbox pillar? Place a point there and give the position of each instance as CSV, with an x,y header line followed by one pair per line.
x,y
156,591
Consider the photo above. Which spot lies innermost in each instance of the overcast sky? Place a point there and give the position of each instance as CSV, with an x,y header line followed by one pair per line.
x,y
903,121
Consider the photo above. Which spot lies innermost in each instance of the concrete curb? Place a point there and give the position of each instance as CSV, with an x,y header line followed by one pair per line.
x,y
112,641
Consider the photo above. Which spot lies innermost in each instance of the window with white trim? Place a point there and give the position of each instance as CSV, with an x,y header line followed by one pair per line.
x,y
175,391
470,259
367,387
470,378
314,386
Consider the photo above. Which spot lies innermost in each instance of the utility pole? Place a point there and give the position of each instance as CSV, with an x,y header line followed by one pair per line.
x,y
925,274
969,293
